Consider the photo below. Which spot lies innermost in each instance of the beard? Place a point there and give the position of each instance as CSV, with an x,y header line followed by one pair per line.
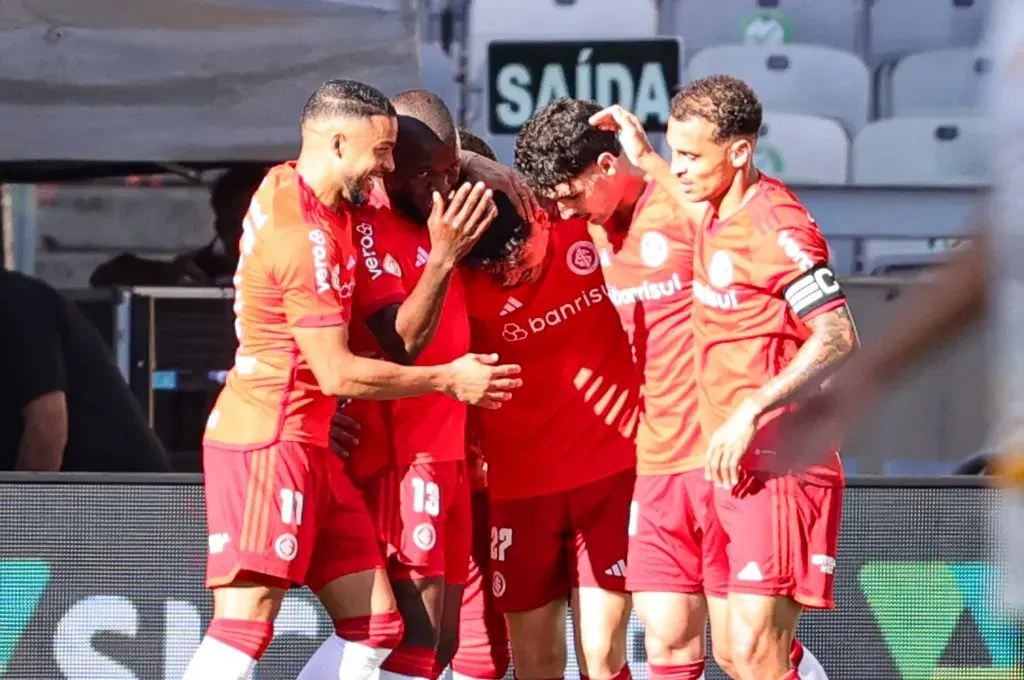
x,y
358,189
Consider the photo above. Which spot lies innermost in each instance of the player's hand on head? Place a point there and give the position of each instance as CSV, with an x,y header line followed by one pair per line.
x,y
344,434
629,130
455,227
727,446
478,380
506,180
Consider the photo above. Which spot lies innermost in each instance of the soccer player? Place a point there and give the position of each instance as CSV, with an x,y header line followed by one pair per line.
x,y
987,275
560,457
645,241
413,302
280,509
770,321
482,652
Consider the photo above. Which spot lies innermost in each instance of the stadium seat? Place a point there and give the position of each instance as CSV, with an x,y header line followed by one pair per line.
x,y
490,20
900,27
896,257
939,82
832,23
920,151
806,79
803,149
916,468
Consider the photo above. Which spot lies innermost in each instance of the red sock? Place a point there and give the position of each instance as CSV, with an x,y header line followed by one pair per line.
x,y
624,674
249,637
382,631
416,662
796,653
686,671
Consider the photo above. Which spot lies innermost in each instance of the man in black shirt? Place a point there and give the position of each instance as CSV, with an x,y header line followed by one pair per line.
x,y
63,402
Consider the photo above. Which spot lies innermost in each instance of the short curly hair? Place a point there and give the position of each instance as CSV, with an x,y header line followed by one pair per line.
x,y
558,143
727,102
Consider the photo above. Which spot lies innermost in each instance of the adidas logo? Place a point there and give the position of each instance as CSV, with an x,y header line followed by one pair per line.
x,y
421,256
511,305
617,569
751,572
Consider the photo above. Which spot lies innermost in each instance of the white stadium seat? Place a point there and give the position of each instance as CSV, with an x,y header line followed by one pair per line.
x,y
832,23
939,151
803,149
900,27
531,20
938,82
806,79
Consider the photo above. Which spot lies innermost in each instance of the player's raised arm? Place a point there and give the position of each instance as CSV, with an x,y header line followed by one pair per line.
x,y
478,168
404,329
318,288
638,148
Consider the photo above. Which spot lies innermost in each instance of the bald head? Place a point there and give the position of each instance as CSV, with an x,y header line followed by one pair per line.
x,y
430,111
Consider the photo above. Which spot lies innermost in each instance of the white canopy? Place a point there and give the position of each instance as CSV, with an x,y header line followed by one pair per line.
x,y
184,81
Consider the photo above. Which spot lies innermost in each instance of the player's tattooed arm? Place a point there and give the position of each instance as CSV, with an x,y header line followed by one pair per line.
x,y
833,340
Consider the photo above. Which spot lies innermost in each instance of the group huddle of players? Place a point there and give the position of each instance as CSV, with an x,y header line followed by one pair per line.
x,y
573,395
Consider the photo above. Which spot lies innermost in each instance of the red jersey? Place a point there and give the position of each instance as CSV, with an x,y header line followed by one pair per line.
x,y
296,269
573,420
648,265
392,253
376,449
759,275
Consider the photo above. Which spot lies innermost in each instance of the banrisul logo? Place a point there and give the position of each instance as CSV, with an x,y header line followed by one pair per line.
x,y
22,584
929,612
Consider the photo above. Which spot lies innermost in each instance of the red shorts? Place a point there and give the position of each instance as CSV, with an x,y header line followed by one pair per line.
x,y
541,547
483,635
774,536
288,512
424,519
666,533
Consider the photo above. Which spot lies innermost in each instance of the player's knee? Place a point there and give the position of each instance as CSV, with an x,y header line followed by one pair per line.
x,y
381,631
604,654
543,656
755,645
723,658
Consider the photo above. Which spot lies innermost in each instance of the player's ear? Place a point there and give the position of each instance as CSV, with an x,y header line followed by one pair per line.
x,y
608,164
741,152
337,144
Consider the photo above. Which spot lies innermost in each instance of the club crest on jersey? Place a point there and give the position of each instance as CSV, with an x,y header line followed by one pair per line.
x,y
498,584
720,270
287,547
391,266
653,249
424,536
582,258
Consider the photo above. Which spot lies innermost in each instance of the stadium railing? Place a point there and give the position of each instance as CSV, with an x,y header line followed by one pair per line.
x,y
101,576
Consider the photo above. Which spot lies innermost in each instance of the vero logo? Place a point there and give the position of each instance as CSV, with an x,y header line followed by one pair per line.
x,y
22,584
